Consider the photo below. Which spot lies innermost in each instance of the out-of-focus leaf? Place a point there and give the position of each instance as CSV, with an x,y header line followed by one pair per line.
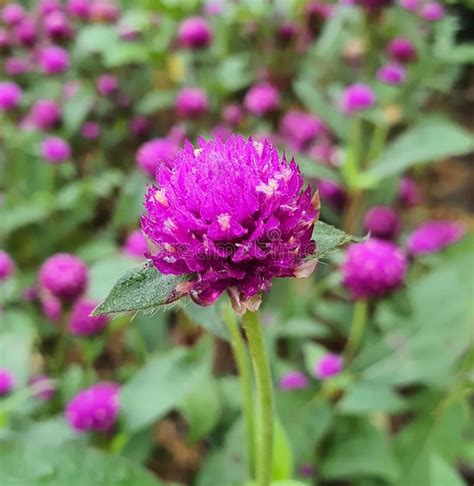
x,y
15,353
313,352
123,53
161,385
130,203
312,168
366,397
207,317
441,473
75,111
96,38
282,461
233,73
71,465
329,239
155,101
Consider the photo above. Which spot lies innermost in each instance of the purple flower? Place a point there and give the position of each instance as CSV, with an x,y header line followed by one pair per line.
x,y
357,97
107,84
57,26
332,193
81,323
232,114
287,31
294,380
261,99
64,275
235,215
12,13
7,381
191,102
45,114
373,4
373,268
408,192
49,6
55,150
135,245
410,5
90,130
391,73
194,32
329,365
402,50
51,307
54,60
300,128
433,236
324,151
432,11
140,125
10,95
70,89
104,11
154,152
7,267
45,386
382,222
79,8
25,32
95,408
15,66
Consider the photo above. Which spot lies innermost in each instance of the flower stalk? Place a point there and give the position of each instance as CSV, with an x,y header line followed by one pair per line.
x,y
359,321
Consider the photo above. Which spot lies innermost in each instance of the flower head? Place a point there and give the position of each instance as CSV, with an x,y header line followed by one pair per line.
x,y
232,114
54,60
294,380
15,66
234,215
140,125
51,307
391,73
135,245
45,114
410,5
12,13
328,365
191,102
7,267
90,130
55,150
57,25
81,323
152,153
104,11
107,84
357,97
373,268
10,95
45,386
7,381
25,32
382,222
79,8
408,192
261,99
401,49
300,128
95,408
432,11
332,193
49,6
434,236
64,275
194,32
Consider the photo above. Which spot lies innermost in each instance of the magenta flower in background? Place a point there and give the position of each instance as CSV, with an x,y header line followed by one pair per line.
x,y
70,89
95,408
357,97
7,381
54,60
64,275
232,114
300,128
328,365
104,11
234,214
45,385
392,73
4,38
81,323
135,245
402,50
432,11
57,25
194,33
140,125
90,130
221,131
107,84
10,95
287,31
55,150
51,307
332,193
191,102
261,99
324,151
15,66
409,194
434,236
153,153
25,32
45,114
49,6
410,5
79,8
382,222
373,268
294,380
7,266
12,13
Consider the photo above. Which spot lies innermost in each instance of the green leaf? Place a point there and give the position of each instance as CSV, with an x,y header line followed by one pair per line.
x,y
123,53
312,168
96,38
142,288
15,353
162,384
442,473
75,111
207,317
428,141
282,460
71,465
155,101
312,354
368,397
329,239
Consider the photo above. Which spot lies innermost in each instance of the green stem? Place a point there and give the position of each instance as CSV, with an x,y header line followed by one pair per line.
x,y
377,143
359,320
261,366
60,351
246,381
350,168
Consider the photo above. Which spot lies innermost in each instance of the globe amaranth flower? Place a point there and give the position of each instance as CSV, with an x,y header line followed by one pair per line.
x,y
90,130
15,66
55,150
373,268
104,11
382,222
357,97
81,323
95,408
107,84
7,266
194,33
408,192
433,236
152,153
51,307
57,26
300,128
432,11
294,380
402,50
410,5
10,95
232,114
25,32
332,193
12,13
135,245
7,381
234,215
140,125
261,99
392,73
54,60
44,387
191,102
64,275
79,8
45,114
47,7
328,365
